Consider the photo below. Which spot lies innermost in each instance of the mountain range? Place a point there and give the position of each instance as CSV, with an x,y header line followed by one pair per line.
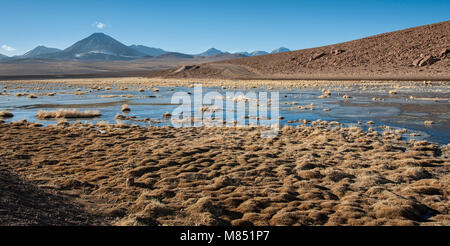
x,y
150,51
39,51
100,46
3,57
212,52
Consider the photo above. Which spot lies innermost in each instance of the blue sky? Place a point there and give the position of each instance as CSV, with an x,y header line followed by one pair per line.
x,y
192,26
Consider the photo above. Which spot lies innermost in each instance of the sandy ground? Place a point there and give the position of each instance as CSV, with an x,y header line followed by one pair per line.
x,y
41,68
318,175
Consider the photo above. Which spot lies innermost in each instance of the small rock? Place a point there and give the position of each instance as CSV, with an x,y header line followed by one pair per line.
x,y
417,61
338,51
444,52
427,60
317,56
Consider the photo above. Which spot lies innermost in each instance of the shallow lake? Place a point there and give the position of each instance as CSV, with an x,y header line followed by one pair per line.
x,y
408,109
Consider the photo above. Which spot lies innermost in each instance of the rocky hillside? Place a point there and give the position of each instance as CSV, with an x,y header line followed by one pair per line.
x,y
416,53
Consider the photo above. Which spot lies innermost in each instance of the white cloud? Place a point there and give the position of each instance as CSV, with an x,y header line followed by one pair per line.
x,y
8,48
100,25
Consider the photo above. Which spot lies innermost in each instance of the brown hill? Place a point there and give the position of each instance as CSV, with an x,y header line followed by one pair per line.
x,y
416,53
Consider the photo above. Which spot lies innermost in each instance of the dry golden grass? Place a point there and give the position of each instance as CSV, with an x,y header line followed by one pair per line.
x,y
6,114
308,175
67,114
63,123
123,83
121,124
167,115
126,108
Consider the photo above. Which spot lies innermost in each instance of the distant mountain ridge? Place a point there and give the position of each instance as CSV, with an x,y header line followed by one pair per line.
x,y
39,51
150,51
175,55
100,46
280,50
254,53
212,52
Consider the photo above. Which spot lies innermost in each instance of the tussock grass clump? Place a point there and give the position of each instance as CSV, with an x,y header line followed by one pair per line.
x,y
126,108
63,123
67,114
417,173
204,213
120,124
167,115
6,114
399,209
102,124
325,94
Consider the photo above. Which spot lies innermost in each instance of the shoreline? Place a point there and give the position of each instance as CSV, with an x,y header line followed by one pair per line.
x,y
297,78
254,83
